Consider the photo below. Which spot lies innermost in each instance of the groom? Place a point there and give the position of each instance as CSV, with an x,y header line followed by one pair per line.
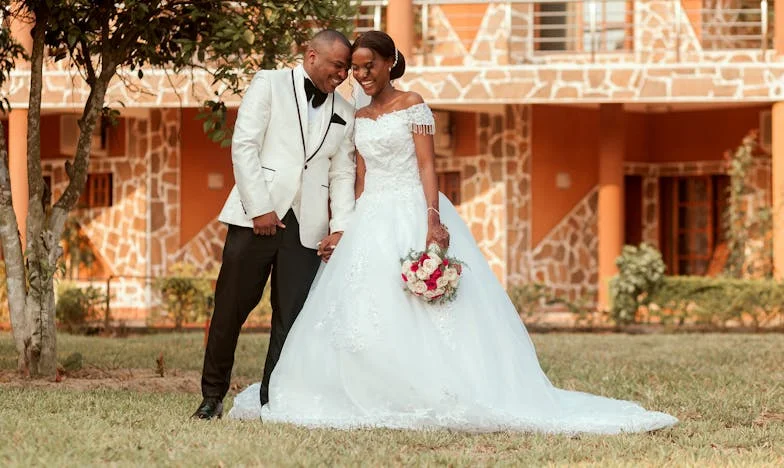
x,y
293,158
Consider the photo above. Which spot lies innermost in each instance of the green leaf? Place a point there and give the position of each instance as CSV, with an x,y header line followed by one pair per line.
x,y
217,135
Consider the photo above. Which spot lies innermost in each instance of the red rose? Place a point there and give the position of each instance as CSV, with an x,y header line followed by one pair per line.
x,y
445,262
414,267
431,285
423,257
436,274
405,280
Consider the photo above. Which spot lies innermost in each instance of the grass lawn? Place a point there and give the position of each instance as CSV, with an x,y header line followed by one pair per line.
x,y
728,391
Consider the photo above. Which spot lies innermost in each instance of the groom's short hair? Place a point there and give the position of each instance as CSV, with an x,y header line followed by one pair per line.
x,y
328,36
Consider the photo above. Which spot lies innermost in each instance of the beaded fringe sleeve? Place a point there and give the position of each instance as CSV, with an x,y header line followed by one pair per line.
x,y
420,119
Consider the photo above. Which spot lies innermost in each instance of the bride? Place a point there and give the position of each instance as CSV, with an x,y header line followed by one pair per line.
x,y
365,353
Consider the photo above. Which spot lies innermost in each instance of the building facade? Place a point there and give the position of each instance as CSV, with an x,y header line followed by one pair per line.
x,y
565,129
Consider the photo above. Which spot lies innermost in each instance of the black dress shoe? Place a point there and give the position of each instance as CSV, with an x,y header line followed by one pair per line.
x,y
209,408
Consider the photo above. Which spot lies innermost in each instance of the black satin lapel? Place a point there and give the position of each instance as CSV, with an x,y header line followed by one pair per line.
x,y
299,116
326,132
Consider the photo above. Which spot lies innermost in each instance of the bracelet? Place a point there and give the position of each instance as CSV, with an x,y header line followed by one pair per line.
x,y
431,208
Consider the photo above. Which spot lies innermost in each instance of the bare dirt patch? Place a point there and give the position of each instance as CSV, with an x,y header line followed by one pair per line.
x,y
137,380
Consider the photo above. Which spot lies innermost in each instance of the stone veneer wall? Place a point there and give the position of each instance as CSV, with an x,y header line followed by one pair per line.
x,y
495,200
566,259
500,66
205,250
144,178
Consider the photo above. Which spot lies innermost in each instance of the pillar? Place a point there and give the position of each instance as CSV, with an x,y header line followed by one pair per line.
x,y
610,209
400,25
17,138
777,156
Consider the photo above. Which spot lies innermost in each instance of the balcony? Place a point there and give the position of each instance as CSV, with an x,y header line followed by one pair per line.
x,y
463,32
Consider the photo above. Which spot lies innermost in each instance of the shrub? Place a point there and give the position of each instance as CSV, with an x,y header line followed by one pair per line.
x,y
531,298
77,308
186,296
717,301
640,273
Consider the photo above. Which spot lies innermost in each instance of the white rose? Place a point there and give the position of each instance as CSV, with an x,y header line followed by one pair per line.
x,y
439,291
410,275
441,282
419,287
406,267
434,256
430,266
422,274
453,283
430,294
450,274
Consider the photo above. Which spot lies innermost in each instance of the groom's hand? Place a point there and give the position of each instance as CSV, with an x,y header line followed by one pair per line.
x,y
327,245
267,224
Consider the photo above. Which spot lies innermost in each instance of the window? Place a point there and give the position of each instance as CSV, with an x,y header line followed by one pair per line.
x,y
449,185
692,210
97,191
573,26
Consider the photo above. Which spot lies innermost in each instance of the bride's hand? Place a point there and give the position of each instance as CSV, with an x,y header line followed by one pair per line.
x,y
439,234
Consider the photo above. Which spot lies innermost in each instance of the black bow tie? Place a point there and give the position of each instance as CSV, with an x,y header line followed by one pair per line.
x,y
312,92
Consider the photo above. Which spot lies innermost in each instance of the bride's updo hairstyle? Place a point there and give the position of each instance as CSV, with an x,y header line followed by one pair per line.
x,y
383,45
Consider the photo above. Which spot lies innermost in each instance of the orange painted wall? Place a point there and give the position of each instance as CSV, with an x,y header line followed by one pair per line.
x,y
200,157
692,9
50,136
464,133
465,19
698,135
637,145
564,139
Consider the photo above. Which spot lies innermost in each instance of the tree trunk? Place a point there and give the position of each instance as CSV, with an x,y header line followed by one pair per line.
x,y
14,262
39,304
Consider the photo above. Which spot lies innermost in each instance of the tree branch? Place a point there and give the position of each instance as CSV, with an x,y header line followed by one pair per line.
x,y
34,177
88,61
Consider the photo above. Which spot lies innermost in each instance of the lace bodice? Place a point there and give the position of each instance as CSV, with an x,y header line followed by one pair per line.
x,y
387,146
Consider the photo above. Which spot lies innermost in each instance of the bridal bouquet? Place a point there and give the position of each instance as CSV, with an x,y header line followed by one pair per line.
x,y
431,275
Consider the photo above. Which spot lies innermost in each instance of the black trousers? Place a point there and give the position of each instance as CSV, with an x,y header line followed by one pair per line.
x,y
248,260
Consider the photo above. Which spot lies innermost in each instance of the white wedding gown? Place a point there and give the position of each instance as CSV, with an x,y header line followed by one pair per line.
x,y
365,353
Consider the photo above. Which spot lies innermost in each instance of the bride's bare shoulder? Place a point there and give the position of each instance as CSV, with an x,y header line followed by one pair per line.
x,y
362,112
411,98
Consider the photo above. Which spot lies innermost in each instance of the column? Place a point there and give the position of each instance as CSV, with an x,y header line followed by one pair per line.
x,y
17,166
610,209
17,138
400,25
777,157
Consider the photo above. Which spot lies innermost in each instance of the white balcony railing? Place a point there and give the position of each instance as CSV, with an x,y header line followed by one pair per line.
x,y
733,24
450,28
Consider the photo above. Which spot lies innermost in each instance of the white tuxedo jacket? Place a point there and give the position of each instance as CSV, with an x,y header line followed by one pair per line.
x,y
275,154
